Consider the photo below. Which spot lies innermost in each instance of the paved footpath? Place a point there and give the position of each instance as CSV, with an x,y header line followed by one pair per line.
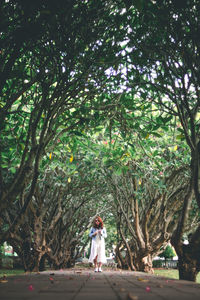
x,y
82,284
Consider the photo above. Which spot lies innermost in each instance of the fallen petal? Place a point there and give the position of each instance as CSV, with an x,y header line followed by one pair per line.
x,y
148,289
31,288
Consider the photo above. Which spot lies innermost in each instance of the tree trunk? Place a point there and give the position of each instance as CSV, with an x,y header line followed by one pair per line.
x,y
30,257
121,263
42,263
36,262
166,264
188,269
189,259
61,259
144,264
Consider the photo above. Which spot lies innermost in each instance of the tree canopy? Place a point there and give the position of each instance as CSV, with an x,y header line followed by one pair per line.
x,y
99,109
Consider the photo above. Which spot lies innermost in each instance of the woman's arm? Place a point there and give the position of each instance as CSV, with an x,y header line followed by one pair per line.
x,y
92,232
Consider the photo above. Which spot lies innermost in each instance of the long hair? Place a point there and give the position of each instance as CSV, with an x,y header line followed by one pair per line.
x,y
100,226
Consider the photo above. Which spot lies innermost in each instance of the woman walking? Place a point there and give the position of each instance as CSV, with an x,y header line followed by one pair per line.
x,y
97,252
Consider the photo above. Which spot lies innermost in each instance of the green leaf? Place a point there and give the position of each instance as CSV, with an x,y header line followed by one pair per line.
x,y
78,133
12,170
180,137
118,171
156,134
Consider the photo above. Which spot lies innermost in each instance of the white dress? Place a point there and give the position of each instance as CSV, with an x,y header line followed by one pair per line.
x,y
98,247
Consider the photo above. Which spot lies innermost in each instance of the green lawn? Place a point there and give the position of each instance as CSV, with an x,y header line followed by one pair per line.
x,y
171,273
7,272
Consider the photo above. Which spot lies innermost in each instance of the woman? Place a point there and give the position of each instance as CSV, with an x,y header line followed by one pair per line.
x,y
97,252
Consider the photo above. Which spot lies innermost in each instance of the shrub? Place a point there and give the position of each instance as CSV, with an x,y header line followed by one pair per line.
x,y
157,263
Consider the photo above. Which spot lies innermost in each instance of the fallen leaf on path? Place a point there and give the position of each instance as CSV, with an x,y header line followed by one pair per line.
x,y
122,290
142,279
131,297
3,281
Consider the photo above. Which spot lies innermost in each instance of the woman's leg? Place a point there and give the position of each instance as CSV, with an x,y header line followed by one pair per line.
x,y
95,263
99,266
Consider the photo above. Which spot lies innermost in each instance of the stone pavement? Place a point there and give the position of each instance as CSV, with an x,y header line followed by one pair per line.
x,y
82,284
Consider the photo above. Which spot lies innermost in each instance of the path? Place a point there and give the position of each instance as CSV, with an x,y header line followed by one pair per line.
x,y
82,284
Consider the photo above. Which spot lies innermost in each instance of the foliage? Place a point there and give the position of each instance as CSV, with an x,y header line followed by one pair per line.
x,y
168,253
67,197
157,263
103,95
111,240
53,62
1,250
161,67
115,161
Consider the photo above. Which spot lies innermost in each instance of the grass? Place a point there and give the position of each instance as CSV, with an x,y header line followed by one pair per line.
x,y
171,273
8,272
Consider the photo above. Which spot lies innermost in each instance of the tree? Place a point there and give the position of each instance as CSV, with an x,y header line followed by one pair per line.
x,y
146,201
146,214
167,254
67,197
53,60
162,68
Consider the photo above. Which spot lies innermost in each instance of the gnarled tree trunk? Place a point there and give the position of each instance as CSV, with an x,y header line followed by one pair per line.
x,y
144,264
189,257
188,268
